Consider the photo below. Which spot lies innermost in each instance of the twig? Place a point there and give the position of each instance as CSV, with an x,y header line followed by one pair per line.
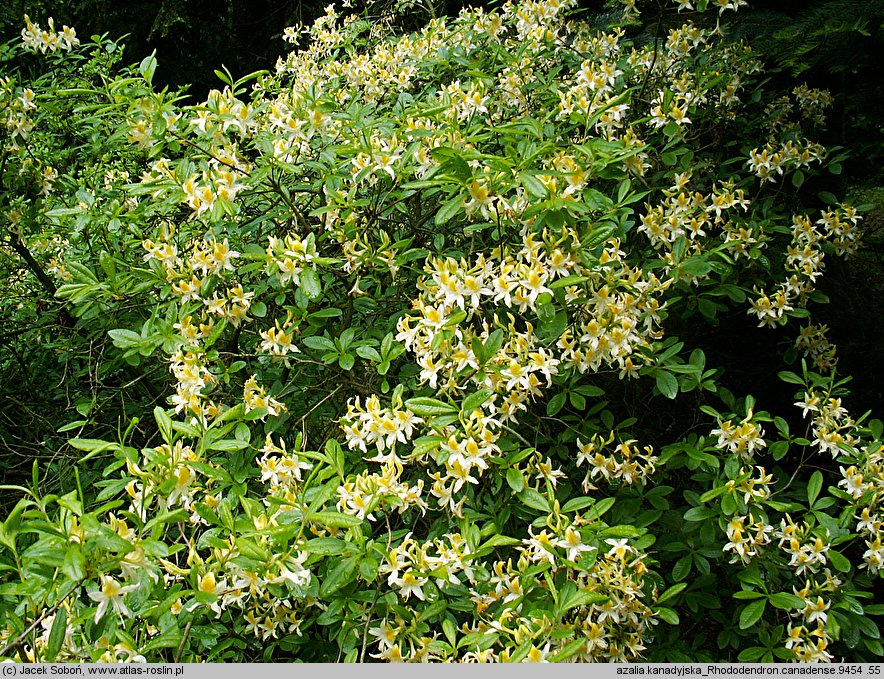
x,y
517,435
324,399
183,641
367,623
656,49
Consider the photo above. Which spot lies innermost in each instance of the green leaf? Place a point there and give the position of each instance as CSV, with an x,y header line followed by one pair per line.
x,y
425,444
339,576
533,499
334,519
598,201
450,631
146,68
499,541
224,77
599,508
667,384
752,613
227,445
428,407
171,638
786,601
473,401
74,565
553,329
310,284
671,592
621,531
696,266
601,233
556,403
125,339
515,479
93,446
700,513
449,209
569,650
712,494
369,353
532,185
814,486
326,546
790,377
566,281
164,422
322,314
577,503
13,522
748,594
251,549
839,561
778,449
368,568
433,610
581,597
318,343
80,273
752,654
666,614
173,516
492,344
56,634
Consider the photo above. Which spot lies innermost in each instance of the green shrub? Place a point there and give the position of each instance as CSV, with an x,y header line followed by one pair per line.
x,y
419,295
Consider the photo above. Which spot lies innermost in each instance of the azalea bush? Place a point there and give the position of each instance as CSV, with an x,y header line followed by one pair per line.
x,y
422,327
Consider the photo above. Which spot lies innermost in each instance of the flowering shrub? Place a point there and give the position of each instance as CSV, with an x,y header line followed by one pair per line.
x,y
416,297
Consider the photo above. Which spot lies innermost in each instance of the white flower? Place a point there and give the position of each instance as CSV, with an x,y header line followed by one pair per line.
x,y
410,584
619,548
111,593
573,542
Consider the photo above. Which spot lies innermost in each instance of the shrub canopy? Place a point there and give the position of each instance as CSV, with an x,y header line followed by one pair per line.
x,y
404,347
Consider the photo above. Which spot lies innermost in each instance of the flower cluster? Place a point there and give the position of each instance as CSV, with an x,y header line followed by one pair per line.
x,y
16,112
806,551
288,257
804,261
775,159
383,428
368,491
809,639
36,39
742,439
281,469
624,462
813,343
746,536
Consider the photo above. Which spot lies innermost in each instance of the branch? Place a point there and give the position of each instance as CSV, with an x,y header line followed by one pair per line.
x,y
33,264
184,636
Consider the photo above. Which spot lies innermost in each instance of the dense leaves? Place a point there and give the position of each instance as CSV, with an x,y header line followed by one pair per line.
x,y
419,324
